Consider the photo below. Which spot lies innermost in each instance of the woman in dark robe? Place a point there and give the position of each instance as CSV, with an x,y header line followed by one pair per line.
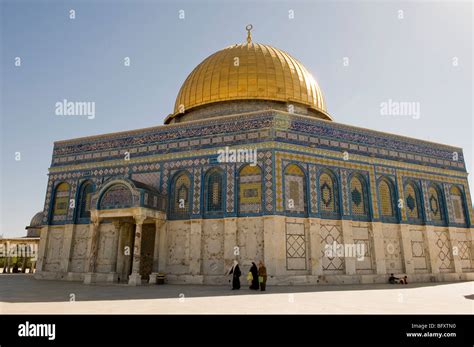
x,y
262,274
254,272
235,271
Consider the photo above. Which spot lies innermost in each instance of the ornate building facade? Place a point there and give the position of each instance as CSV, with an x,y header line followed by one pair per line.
x,y
127,206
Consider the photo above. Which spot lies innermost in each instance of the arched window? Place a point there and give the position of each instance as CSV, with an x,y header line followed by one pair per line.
x,y
181,195
328,193
435,204
117,196
387,199
213,186
457,203
84,201
61,202
250,189
295,189
413,202
358,196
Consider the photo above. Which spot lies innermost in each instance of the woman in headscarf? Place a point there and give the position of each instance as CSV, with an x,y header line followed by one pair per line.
x,y
262,276
254,272
235,271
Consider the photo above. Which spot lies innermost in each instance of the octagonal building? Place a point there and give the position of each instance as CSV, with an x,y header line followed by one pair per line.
x,y
250,166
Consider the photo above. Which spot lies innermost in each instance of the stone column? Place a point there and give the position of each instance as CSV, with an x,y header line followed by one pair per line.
x,y
135,278
4,255
455,245
120,248
315,247
93,246
25,258
195,247
348,238
379,248
7,260
406,249
67,246
159,225
162,250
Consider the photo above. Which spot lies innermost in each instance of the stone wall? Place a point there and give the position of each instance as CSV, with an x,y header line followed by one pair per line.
x,y
418,249
363,237
250,240
107,253
394,261
79,248
212,247
54,250
178,247
293,249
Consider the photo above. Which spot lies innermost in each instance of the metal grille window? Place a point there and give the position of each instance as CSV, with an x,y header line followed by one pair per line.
x,y
358,197
328,194
294,191
458,206
181,190
412,201
214,192
434,204
386,199
85,200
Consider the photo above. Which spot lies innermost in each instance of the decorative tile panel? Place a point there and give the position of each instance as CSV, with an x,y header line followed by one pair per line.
x,y
268,179
313,189
230,187
295,246
329,235
444,250
197,190
345,192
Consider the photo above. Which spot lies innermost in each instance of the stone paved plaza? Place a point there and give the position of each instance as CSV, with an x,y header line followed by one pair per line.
x,y
22,294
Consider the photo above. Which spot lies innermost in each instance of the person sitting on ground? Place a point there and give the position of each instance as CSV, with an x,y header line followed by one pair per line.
x,y
404,280
392,279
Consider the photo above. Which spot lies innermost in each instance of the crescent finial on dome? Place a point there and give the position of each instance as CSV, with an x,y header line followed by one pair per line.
x,y
249,27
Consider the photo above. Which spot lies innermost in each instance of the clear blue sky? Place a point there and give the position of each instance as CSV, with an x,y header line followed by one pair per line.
x,y
82,60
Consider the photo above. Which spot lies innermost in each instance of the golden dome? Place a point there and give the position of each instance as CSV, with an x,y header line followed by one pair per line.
x,y
249,71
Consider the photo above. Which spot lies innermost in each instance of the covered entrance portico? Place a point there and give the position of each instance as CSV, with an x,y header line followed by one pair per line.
x,y
137,255
137,213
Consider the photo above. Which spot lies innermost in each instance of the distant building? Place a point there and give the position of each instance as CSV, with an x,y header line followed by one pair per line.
x,y
22,249
34,229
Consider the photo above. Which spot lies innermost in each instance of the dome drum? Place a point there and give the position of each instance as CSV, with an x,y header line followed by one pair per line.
x,y
235,107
